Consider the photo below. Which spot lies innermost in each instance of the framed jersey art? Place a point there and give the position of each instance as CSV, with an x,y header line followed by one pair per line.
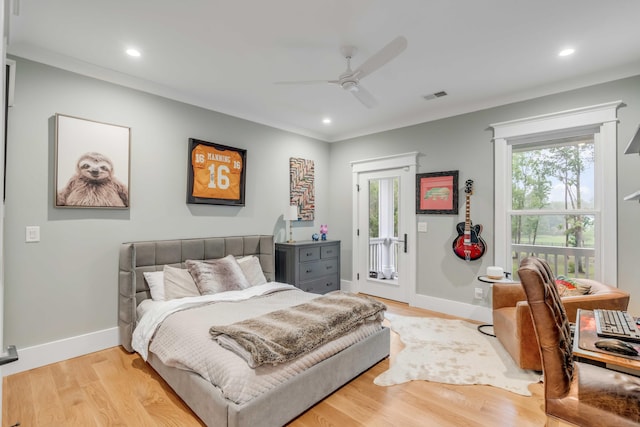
x,y
216,173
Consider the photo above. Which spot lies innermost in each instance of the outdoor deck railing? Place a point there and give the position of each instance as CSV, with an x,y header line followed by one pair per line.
x,y
566,261
375,254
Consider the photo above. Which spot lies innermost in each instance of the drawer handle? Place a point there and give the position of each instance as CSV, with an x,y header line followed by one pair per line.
x,y
329,267
328,284
309,253
309,270
329,252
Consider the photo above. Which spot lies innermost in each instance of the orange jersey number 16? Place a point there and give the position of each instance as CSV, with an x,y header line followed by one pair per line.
x,y
216,173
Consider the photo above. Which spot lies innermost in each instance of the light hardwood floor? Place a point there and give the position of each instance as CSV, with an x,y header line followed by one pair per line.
x,y
115,388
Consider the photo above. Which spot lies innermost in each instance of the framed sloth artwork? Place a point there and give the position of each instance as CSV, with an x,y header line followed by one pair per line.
x,y
91,164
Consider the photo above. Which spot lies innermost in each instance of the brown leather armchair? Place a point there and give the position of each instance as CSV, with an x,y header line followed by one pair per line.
x,y
574,392
513,326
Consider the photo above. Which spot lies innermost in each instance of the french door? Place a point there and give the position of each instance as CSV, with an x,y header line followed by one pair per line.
x,y
384,259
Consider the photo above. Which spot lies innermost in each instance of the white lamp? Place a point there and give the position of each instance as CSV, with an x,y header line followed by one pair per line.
x,y
291,214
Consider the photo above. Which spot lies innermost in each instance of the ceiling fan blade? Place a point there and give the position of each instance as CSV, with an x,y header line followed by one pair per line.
x,y
364,96
307,82
384,55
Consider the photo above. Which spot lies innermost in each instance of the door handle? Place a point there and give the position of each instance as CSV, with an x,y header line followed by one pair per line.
x,y
404,242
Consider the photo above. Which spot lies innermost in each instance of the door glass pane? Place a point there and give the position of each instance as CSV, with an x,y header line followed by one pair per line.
x,y
383,228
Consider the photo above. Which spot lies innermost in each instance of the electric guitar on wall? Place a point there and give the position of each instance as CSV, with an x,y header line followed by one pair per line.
x,y
469,245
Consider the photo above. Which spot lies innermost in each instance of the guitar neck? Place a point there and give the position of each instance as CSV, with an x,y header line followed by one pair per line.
x,y
467,221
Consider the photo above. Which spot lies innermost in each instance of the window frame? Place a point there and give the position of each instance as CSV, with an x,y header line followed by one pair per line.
x,y
599,120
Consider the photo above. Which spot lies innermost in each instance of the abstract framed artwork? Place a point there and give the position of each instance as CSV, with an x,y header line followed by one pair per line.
x,y
437,193
216,174
302,187
91,164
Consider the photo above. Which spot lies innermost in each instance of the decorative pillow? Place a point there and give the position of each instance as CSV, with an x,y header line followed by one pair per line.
x,y
155,280
178,283
250,266
218,275
570,287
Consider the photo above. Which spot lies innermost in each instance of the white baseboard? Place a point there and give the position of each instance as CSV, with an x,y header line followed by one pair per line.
x,y
56,351
453,308
345,285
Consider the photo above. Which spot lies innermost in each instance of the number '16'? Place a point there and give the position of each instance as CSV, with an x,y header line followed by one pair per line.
x,y
220,179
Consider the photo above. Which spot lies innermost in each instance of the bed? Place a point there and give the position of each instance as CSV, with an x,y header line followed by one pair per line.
x,y
274,407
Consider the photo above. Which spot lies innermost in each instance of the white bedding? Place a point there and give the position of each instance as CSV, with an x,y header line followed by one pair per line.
x,y
182,339
154,312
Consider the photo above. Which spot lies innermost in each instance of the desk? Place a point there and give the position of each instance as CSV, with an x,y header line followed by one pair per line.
x,y
584,349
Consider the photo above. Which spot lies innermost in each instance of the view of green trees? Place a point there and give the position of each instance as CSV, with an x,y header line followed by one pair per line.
x,y
535,173
374,212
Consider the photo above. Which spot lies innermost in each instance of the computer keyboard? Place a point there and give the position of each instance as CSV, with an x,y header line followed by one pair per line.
x,y
616,324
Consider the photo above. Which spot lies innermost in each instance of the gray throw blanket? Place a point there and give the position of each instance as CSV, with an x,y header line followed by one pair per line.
x,y
283,335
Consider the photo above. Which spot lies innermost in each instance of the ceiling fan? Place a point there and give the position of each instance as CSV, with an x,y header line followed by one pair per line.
x,y
349,80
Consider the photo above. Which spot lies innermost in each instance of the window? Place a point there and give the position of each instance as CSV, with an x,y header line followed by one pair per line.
x,y
555,192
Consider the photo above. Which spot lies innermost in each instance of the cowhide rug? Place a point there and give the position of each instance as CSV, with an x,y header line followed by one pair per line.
x,y
452,352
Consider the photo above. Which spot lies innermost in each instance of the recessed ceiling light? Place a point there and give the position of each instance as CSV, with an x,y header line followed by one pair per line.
x,y
566,52
326,121
133,52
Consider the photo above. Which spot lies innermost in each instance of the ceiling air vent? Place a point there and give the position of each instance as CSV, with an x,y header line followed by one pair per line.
x,y
435,95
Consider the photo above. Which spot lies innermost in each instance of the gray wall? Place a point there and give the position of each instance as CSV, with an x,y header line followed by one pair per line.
x,y
66,285
464,143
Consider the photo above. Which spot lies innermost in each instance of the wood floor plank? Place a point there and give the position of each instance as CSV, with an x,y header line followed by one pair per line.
x,y
124,392
18,400
105,412
50,411
116,388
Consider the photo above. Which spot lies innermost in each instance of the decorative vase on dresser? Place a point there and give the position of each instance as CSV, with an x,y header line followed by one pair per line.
x,y
310,266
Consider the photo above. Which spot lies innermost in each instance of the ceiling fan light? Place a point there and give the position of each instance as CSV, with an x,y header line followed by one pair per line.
x,y
350,86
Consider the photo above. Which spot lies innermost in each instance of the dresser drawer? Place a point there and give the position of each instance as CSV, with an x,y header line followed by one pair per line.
x,y
329,251
322,285
308,254
314,269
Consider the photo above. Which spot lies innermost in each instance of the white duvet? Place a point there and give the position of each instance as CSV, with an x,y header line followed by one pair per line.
x,y
157,311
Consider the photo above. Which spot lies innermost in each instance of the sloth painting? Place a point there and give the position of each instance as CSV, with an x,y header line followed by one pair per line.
x,y
94,185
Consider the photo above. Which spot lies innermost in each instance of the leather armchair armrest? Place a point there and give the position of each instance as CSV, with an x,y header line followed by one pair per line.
x,y
609,301
600,296
507,295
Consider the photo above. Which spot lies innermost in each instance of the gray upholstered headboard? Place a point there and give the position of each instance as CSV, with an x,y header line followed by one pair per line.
x,y
138,257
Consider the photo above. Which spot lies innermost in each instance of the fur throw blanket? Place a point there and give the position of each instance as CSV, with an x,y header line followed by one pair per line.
x,y
283,335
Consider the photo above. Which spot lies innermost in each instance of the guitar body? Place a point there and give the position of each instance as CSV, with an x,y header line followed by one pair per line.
x,y
469,245
476,246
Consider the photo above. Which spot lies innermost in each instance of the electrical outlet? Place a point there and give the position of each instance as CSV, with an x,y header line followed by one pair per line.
x,y
479,293
422,227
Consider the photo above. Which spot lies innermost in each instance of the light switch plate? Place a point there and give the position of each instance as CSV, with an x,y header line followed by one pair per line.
x,y
422,227
32,234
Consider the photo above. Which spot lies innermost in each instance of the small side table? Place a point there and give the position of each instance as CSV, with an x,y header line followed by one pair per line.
x,y
506,279
490,281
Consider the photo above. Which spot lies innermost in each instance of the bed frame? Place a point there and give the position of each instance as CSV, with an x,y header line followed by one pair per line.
x,y
274,408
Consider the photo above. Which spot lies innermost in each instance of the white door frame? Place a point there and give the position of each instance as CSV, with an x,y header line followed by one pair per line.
x,y
409,162
4,9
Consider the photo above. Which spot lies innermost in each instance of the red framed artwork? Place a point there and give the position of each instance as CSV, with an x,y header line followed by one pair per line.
x,y
437,193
